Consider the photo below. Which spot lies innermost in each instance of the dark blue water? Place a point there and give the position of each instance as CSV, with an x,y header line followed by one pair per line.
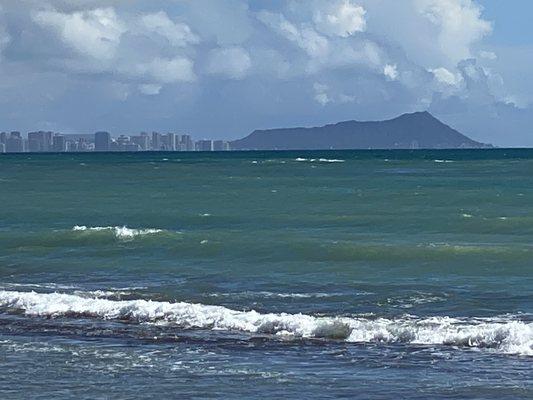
x,y
357,274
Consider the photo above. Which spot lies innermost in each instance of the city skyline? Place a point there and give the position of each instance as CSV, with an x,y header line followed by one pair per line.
x,y
47,141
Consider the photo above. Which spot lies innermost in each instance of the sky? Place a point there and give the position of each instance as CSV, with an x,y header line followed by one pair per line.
x,y
222,68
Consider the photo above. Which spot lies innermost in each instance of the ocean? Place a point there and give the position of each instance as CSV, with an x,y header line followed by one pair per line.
x,y
298,274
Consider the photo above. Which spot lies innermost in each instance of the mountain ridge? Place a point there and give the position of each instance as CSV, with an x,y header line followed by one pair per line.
x,y
407,131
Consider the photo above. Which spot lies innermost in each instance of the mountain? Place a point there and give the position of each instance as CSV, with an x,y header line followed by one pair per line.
x,y
415,130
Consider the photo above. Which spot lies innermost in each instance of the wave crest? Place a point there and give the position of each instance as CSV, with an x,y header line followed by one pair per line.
x,y
326,160
120,232
505,336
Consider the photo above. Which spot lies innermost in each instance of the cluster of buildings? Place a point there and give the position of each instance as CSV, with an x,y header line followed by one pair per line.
x,y
43,141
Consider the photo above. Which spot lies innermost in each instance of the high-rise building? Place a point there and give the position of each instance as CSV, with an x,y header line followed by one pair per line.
x,y
102,141
143,141
130,146
156,141
14,143
186,143
2,147
39,141
220,145
204,145
71,145
171,141
3,137
34,142
59,143
122,142
114,146
82,145
47,140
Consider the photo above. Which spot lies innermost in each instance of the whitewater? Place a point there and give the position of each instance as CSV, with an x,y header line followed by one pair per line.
x,y
120,232
506,336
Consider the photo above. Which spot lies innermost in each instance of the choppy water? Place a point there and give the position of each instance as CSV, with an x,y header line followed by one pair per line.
x,y
360,274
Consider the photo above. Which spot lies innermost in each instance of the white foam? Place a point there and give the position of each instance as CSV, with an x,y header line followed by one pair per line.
x,y
502,335
267,294
330,160
101,293
50,285
120,232
443,161
326,160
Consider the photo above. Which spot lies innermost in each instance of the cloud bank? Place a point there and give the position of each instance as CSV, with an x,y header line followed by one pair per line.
x,y
221,68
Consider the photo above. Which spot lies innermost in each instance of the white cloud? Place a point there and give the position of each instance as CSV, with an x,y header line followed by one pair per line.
x,y
4,39
162,70
515,101
177,34
445,76
225,23
314,44
231,62
150,89
460,25
488,55
333,47
390,71
340,18
109,42
94,33
4,36
321,95
346,98
325,94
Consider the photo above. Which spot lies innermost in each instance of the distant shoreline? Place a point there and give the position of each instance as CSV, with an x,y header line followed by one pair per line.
x,y
279,151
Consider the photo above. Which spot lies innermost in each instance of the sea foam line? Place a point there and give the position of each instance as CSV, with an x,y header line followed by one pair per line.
x,y
120,232
501,335
326,160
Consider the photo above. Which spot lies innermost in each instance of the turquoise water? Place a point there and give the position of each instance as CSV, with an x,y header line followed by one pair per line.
x,y
359,274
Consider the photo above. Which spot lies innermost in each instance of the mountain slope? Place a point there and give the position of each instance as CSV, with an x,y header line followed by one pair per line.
x,y
416,130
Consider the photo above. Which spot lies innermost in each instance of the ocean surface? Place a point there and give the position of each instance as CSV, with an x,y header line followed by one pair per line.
x,y
328,274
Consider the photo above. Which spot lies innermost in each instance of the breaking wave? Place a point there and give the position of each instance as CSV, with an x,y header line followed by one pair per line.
x,y
120,232
498,334
326,160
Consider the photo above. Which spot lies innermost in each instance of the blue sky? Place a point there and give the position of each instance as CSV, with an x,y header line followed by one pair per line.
x,y
511,21
222,68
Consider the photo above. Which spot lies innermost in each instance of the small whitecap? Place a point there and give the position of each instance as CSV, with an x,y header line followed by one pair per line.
x,y
330,160
120,232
